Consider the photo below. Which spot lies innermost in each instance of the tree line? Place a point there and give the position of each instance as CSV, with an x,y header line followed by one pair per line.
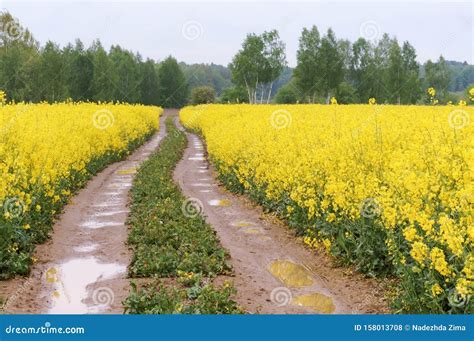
x,y
353,72
329,67
33,73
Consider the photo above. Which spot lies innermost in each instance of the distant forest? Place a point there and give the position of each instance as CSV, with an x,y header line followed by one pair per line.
x,y
220,78
33,72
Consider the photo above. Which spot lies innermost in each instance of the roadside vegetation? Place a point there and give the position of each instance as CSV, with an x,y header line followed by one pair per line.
x,y
171,241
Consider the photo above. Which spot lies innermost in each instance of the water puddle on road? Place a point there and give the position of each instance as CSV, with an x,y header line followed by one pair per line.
x,y
70,281
242,223
251,230
95,224
109,213
127,171
291,274
86,248
196,158
318,302
219,202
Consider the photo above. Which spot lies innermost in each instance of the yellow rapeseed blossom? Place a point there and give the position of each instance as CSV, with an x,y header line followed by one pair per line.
x,y
404,167
44,147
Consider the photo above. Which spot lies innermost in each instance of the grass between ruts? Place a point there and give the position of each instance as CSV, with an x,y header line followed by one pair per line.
x,y
167,243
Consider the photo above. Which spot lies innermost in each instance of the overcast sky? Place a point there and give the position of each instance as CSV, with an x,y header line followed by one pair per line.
x,y
212,31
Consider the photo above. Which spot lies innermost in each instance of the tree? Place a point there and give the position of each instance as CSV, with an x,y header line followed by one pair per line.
x,y
127,75
410,91
274,54
287,94
307,69
172,84
51,72
149,86
258,64
361,71
395,72
79,72
234,95
19,53
438,76
104,79
203,95
331,65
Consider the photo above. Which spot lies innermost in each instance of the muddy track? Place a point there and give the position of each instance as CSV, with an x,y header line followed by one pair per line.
x,y
82,268
274,272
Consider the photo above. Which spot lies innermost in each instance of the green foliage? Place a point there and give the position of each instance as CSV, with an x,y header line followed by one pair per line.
x,y
203,95
215,76
167,242
346,94
287,94
172,84
438,76
163,238
234,95
196,298
17,243
258,64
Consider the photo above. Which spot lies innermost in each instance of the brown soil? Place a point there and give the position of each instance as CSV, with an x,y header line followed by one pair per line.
x,y
82,268
256,240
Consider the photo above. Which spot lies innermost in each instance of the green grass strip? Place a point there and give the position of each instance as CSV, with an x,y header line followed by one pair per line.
x,y
168,243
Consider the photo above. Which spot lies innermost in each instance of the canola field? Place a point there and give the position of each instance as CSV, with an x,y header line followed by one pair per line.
x,y
386,189
47,151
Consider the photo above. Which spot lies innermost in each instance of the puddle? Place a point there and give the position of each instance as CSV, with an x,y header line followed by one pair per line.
x,y
241,223
196,158
112,193
220,202
127,171
71,279
201,171
94,224
318,302
202,184
85,248
291,274
108,204
109,213
120,185
251,230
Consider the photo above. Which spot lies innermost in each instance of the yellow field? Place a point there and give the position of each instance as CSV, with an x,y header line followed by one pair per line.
x,y
386,188
48,150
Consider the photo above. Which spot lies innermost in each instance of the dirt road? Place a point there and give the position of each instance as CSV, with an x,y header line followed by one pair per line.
x,y
82,267
274,272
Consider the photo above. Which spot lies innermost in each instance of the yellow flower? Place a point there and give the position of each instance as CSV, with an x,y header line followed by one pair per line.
x,y
333,100
372,101
438,261
464,287
26,227
419,252
331,217
436,290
